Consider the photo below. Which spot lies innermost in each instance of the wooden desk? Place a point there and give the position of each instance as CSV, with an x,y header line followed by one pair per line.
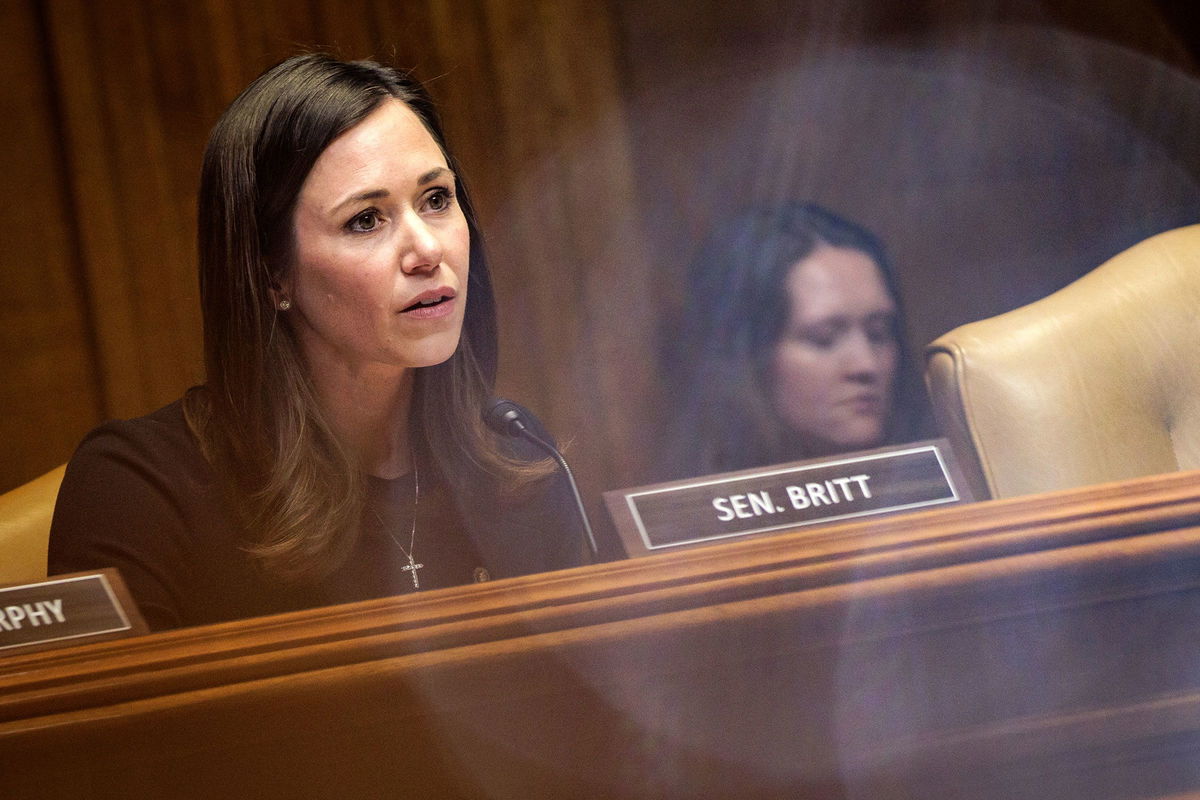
x,y
1038,647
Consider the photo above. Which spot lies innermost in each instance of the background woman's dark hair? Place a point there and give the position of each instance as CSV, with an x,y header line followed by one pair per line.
x,y
297,491
717,356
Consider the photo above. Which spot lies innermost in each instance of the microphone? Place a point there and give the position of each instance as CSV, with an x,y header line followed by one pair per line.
x,y
506,418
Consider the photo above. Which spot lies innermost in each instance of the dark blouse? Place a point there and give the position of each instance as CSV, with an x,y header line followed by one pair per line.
x,y
138,495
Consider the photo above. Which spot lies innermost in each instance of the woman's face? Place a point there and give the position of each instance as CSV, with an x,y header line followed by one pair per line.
x,y
834,369
381,251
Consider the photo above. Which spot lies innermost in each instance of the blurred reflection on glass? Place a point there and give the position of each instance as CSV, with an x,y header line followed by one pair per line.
x,y
790,346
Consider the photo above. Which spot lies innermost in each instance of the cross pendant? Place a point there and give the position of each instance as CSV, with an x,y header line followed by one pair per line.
x,y
412,568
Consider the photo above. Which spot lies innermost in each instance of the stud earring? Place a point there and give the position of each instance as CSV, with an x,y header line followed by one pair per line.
x,y
285,304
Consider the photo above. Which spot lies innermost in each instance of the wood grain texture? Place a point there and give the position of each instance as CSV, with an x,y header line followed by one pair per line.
x,y
1042,646
48,388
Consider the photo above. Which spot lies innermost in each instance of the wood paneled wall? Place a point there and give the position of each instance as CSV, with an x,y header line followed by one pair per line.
x,y
48,392
601,140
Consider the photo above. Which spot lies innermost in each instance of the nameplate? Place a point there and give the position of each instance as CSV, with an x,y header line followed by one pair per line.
x,y
67,609
654,518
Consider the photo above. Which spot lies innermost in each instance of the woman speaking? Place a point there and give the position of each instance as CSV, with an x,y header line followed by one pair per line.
x,y
337,450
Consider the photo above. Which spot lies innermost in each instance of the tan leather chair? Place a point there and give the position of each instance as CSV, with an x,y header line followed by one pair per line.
x,y
25,515
1100,381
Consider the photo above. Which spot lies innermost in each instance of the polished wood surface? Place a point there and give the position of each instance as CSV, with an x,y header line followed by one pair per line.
x,y
1039,647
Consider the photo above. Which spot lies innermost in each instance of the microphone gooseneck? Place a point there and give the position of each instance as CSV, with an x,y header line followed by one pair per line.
x,y
506,418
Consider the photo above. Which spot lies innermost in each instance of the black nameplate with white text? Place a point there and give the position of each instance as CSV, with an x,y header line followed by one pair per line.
x,y
786,496
68,609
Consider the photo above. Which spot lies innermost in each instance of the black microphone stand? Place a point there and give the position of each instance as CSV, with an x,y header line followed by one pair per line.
x,y
504,417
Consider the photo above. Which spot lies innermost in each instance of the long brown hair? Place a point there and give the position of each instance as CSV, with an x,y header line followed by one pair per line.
x,y
297,491
717,357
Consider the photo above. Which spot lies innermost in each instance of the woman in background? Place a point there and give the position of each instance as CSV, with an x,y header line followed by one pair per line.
x,y
337,450
790,346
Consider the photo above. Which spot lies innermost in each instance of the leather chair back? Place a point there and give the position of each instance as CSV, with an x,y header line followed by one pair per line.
x,y
25,514
1098,382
